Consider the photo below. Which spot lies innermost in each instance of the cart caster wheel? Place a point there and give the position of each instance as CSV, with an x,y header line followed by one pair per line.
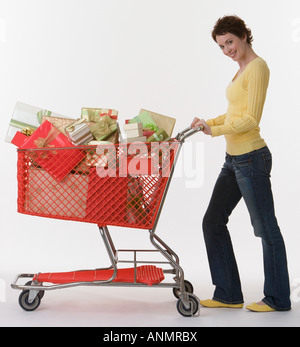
x,y
188,288
41,293
192,308
25,304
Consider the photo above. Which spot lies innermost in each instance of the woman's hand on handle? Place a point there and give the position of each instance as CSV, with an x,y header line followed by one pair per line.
x,y
197,122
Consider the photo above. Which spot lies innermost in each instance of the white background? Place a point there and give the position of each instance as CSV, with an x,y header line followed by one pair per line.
x,y
158,55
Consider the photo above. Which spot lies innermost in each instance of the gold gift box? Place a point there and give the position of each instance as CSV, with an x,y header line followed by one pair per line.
x,y
95,114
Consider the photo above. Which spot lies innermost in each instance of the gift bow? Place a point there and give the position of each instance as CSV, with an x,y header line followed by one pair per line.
x,y
109,114
41,142
105,127
28,131
158,137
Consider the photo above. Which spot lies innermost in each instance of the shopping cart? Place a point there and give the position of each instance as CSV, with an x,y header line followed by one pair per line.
x,y
117,185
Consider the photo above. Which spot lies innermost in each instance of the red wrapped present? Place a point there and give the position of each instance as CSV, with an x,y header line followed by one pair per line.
x,y
19,139
54,158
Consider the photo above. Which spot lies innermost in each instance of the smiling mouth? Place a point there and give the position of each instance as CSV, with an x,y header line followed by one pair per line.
x,y
232,55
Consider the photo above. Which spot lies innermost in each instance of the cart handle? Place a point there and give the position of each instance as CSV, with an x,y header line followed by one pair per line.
x,y
184,134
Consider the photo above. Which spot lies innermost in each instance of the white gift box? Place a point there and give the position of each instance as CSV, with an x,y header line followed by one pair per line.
x,y
134,133
133,126
26,117
133,130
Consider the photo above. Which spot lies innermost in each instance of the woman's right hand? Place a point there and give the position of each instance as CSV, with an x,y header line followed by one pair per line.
x,y
197,122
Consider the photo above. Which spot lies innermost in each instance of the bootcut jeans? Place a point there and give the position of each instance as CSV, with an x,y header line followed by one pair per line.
x,y
246,176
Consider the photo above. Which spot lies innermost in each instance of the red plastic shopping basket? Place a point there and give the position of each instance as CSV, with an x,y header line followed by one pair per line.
x,y
119,185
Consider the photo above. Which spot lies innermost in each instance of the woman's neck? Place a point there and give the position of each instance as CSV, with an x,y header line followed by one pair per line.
x,y
247,58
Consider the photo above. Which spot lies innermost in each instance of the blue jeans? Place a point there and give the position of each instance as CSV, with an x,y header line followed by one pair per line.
x,y
246,176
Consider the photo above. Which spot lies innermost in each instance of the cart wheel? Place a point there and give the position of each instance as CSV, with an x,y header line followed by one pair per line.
x,y
192,308
41,293
188,288
25,304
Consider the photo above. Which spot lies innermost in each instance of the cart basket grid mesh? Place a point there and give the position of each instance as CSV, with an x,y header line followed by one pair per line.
x,y
119,185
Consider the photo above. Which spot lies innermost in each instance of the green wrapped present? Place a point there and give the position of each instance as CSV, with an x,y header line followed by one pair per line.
x,y
105,127
159,136
164,122
146,119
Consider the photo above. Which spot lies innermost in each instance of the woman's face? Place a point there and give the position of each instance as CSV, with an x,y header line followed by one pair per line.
x,y
232,46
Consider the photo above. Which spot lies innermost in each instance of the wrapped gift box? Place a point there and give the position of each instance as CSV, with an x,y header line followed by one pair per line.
x,y
133,126
134,133
102,123
57,160
163,122
146,131
19,139
158,136
26,118
94,114
104,128
46,197
58,122
146,119
79,132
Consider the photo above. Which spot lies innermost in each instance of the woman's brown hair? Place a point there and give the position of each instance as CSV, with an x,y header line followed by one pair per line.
x,y
233,25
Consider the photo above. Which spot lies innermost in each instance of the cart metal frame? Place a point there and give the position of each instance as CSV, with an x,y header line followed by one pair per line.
x,y
188,302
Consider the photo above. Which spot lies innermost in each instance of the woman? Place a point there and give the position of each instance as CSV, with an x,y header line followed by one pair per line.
x,y
246,173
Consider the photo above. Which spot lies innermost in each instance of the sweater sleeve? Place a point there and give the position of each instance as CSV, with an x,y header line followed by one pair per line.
x,y
257,83
216,121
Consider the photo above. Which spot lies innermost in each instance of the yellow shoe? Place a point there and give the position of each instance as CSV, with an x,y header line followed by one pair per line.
x,y
259,308
217,304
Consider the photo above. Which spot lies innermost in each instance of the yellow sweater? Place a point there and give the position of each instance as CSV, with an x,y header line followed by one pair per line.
x,y
246,96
